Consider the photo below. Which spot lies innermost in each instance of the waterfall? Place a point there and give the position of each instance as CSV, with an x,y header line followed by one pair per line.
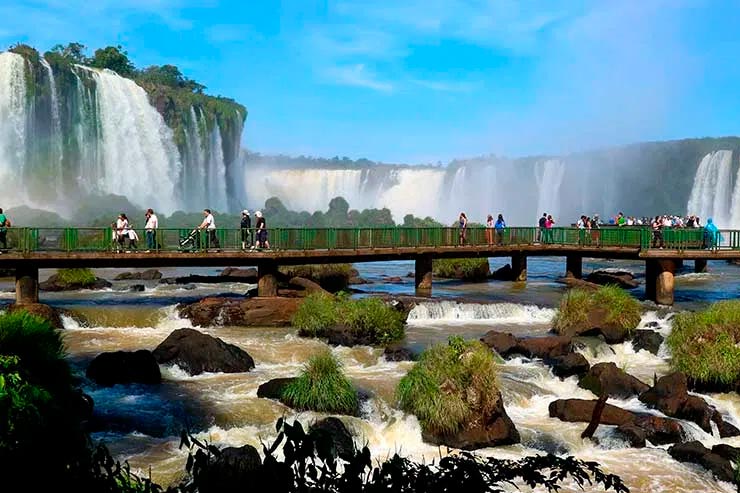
x,y
55,134
549,175
216,179
139,157
450,311
194,160
710,195
12,119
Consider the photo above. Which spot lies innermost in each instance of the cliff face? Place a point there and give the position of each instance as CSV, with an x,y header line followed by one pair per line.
x,y
68,129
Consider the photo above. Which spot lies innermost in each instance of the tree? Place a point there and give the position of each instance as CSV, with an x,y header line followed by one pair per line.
x,y
114,58
169,75
73,52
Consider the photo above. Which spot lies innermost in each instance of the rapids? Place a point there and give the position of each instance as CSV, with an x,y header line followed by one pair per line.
x,y
142,424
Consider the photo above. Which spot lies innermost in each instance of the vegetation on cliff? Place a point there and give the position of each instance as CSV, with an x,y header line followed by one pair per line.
x,y
435,388
704,344
322,387
369,320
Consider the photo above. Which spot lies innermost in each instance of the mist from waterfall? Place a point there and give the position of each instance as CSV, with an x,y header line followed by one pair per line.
x,y
12,119
549,176
711,193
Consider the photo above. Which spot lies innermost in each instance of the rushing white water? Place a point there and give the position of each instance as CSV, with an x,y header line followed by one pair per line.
x,y
55,146
216,178
710,195
140,159
418,192
12,118
450,311
549,175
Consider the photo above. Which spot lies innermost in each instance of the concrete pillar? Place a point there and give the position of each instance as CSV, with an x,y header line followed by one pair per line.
x,y
659,280
423,275
26,285
267,283
700,265
518,267
574,266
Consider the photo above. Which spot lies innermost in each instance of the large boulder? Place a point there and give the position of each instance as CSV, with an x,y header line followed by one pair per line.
x,y
54,283
607,378
647,339
231,471
505,273
622,279
486,428
249,275
273,389
242,312
568,365
506,344
580,411
670,396
331,432
48,313
124,367
397,352
595,323
307,285
697,453
147,275
196,353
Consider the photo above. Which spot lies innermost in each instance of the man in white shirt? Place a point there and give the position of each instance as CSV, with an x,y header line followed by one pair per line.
x,y
152,223
209,224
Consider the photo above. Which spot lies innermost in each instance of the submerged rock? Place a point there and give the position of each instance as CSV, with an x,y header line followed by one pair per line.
x,y
398,353
123,367
646,339
242,312
569,365
196,353
506,344
697,453
622,279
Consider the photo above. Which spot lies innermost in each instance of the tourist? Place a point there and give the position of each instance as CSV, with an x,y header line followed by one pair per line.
x,y
499,227
209,224
4,225
120,228
489,230
657,227
541,224
712,236
549,223
581,225
261,226
595,233
621,220
150,230
133,238
246,225
463,222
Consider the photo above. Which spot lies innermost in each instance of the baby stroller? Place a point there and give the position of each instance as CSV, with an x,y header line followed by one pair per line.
x,y
190,241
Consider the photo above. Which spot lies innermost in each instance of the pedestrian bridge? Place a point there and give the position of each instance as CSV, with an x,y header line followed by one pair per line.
x,y
30,249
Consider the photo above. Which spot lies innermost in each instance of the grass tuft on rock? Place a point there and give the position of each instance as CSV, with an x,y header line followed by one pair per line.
x,y
440,387
322,387
469,269
621,308
705,345
76,277
368,318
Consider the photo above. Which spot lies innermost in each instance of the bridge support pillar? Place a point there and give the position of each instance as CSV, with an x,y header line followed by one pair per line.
x,y
423,275
700,265
659,280
518,267
26,285
267,279
574,266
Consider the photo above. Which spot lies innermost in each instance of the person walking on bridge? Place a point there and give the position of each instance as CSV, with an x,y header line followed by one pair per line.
x,y
541,230
261,225
499,227
712,236
463,223
4,225
489,230
246,226
150,228
209,224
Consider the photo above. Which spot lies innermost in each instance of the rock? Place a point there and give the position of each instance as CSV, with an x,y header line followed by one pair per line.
x,y
633,434
123,367
505,273
648,340
48,313
54,283
595,323
393,279
727,451
652,325
489,428
573,282
355,280
242,312
606,377
697,453
568,365
580,410
398,353
196,278
273,389
660,430
246,275
137,288
343,335
506,344
196,353
622,279
231,471
147,275
332,431
307,285
670,396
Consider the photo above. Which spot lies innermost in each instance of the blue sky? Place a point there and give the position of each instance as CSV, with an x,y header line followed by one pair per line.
x,y
429,80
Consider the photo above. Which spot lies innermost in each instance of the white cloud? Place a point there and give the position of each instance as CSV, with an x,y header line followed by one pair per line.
x,y
357,75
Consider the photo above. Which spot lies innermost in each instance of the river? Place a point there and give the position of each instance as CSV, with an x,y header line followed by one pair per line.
x,y
142,424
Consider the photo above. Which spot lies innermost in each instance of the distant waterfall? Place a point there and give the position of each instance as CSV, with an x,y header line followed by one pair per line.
x,y
710,195
12,119
56,150
549,175
216,178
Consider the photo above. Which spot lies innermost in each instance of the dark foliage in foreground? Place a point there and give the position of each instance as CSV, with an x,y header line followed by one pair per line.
x,y
310,465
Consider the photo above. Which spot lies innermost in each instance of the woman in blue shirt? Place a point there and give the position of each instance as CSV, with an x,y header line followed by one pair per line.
x,y
499,227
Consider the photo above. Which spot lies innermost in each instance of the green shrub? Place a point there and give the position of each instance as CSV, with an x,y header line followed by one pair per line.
x,y
77,277
704,344
436,387
621,308
370,318
471,269
322,387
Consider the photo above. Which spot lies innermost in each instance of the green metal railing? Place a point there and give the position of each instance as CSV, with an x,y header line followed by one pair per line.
x,y
86,239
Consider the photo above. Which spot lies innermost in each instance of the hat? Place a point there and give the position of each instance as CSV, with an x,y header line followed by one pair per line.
x,y
258,214
245,211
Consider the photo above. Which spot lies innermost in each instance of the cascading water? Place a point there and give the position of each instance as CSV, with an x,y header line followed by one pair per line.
x,y
216,177
549,175
55,145
710,195
12,119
